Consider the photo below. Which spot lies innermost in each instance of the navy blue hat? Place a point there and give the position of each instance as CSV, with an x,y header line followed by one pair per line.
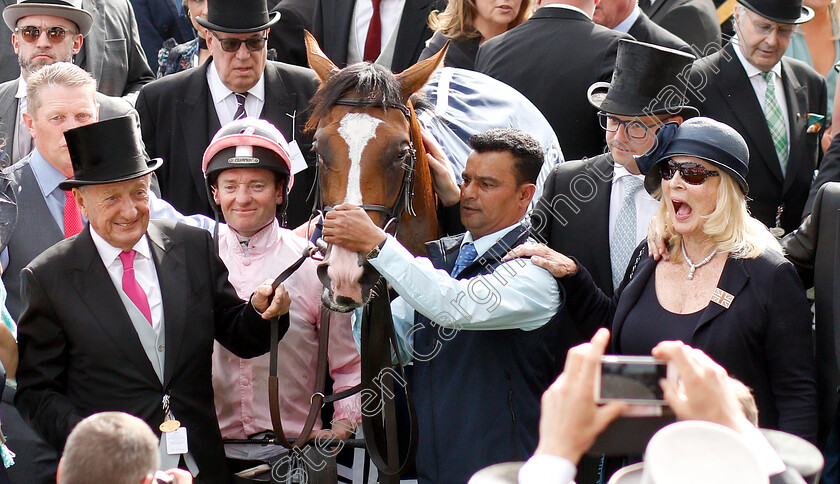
x,y
703,138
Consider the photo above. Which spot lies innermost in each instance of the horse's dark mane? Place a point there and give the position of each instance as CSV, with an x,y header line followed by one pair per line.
x,y
367,81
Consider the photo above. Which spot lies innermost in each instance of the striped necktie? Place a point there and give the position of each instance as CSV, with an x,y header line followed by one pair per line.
x,y
624,233
775,120
240,105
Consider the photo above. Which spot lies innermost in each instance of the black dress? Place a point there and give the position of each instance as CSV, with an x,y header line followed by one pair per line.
x,y
461,53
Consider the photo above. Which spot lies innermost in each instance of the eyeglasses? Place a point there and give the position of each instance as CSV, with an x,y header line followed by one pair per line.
x,y
766,28
634,128
232,45
31,33
692,173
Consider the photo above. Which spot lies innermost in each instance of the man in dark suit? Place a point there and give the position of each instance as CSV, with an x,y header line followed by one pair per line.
x,y
751,87
123,315
31,56
626,16
552,59
286,37
111,52
343,27
814,250
29,192
180,113
694,21
602,196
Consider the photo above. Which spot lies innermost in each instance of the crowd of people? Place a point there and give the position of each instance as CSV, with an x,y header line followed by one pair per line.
x,y
160,161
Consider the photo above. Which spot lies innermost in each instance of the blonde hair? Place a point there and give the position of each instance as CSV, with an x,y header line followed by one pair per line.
x,y
457,19
730,226
62,74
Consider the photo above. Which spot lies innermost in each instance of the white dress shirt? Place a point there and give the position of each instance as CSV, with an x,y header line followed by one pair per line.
x,y
225,101
759,85
567,7
646,206
144,272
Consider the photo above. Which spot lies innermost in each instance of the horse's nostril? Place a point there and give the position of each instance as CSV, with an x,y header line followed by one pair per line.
x,y
346,301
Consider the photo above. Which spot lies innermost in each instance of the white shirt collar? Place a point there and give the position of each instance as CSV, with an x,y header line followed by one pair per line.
x,y
483,244
21,90
109,253
220,92
752,70
568,7
625,24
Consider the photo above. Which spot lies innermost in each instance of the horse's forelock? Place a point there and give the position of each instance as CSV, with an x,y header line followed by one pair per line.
x,y
371,82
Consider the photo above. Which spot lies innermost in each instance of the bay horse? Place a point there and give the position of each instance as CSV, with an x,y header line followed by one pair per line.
x,y
370,154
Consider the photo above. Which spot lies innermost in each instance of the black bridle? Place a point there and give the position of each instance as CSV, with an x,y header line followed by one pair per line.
x,y
404,202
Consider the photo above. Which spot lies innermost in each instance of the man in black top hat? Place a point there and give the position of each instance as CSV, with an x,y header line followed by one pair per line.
x,y
180,113
123,315
768,99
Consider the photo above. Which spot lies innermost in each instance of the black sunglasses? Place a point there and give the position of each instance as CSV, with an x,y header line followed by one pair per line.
x,y
692,173
232,45
31,33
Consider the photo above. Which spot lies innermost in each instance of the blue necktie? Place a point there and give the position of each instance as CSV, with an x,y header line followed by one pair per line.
x,y
240,105
465,258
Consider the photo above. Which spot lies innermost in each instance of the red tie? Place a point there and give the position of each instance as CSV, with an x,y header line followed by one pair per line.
x,y
72,217
132,287
373,42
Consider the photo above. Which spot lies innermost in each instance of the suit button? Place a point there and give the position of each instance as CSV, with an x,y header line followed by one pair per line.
x,y
161,347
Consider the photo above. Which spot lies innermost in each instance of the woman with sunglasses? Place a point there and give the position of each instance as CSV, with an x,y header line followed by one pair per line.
x,y
725,286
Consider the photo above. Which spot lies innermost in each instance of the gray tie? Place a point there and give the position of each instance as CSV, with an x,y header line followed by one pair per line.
x,y
624,234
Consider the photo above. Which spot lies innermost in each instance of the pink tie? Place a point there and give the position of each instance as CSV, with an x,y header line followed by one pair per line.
x,y
132,287
72,217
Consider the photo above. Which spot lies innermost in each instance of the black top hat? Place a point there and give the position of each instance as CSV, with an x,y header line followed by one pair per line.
x,y
70,9
703,138
96,162
238,16
646,80
782,11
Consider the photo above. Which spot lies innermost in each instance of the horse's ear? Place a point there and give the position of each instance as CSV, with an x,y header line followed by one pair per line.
x,y
413,78
318,61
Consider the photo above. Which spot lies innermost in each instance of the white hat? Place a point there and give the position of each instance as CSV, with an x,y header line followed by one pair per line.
x,y
68,9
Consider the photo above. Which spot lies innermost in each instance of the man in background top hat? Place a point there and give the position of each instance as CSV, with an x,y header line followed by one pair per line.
x,y
603,196
768,99
180,114
552,59
111,51
68,25
123,315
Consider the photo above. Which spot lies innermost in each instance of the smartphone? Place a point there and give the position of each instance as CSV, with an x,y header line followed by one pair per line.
x,y
632,379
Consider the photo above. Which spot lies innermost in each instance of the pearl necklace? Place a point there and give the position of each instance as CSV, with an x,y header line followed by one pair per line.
x,y
699,264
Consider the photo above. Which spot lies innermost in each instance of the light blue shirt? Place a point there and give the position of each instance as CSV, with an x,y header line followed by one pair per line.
x,y
625,24
516,295
48,178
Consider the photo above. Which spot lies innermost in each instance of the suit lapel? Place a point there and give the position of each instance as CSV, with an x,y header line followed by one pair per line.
x,y
597,210
341,22
199,123
732,280
279,107
170,263
737,89
797,107
9,116
94,287
94,42
651,10
412,23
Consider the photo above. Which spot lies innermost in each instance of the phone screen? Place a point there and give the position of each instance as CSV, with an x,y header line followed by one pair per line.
x,y
632,380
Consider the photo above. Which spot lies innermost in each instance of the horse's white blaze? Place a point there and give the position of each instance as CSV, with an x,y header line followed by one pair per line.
x,y
357,129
